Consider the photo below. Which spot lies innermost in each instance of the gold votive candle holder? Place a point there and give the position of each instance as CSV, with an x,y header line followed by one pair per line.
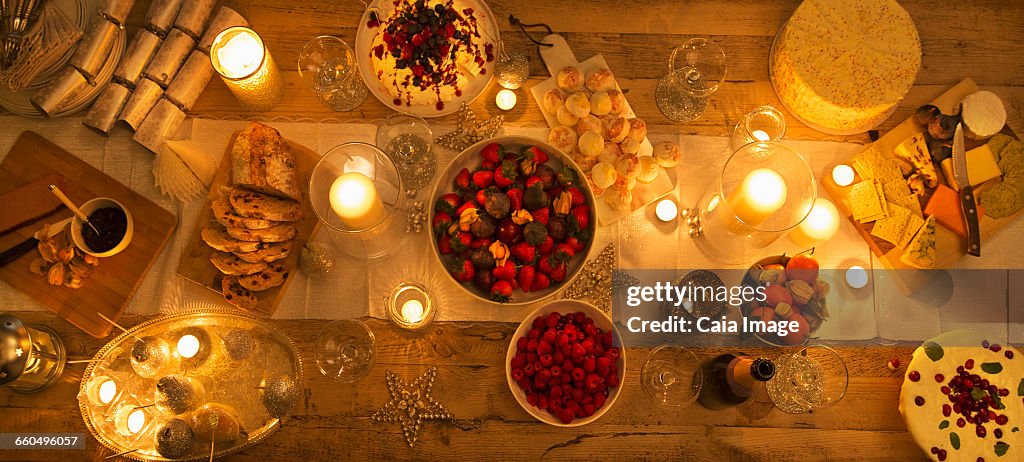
x,y
410,306
246,67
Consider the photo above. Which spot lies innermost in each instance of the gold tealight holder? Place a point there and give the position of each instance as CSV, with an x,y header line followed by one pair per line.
x,y
410,306
243,62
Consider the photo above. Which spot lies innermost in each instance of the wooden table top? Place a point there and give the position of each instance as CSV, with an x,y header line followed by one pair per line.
x,y
978,39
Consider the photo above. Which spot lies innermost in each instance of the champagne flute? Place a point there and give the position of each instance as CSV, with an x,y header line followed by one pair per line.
x,y
328,66
672,376
345,350
696,70
814,377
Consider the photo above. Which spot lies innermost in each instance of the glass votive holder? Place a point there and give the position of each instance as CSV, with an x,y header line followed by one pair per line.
x,y
239,55
103,390
131,420
762,124
512,69
410,306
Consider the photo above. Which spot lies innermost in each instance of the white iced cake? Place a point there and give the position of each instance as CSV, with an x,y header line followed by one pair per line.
x,y
842,67
963,399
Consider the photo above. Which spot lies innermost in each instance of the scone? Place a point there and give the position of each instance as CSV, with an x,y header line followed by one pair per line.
x,y
649,169
637,129
616,129
570,79
235,294
585,163
267,252
618,199
618,102
273,276
280,233
667,154
553,99
591,144
611,153
622,182
257,205
600,103
231,265
629,146
588,124
603,175
628,166
578,104
219,239
565,117
600,79
562,138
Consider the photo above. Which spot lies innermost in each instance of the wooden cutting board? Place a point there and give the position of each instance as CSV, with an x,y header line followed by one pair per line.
x,y
115,280
949,246
195,258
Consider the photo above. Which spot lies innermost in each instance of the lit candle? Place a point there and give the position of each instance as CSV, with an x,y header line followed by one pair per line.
x,y
355,200
188,346
762,193
412,311
136,420
239,56
666,210
107,391
842,174
856,277
506,99
761,135
820,225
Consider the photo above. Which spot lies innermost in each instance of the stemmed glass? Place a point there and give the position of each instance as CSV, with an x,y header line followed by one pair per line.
x,y
812,378
672,376
328,66
345,350
407,140
696,69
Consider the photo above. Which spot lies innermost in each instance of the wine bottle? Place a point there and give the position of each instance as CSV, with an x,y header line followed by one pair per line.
x,y
732,379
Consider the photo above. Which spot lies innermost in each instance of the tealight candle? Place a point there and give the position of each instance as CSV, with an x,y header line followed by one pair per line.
x,y
245,66
412,310
108,390
506,99
666,210
136,420
355,200
410,307
762,193
760,135
842,174
762,124
820,225
188,346
856,277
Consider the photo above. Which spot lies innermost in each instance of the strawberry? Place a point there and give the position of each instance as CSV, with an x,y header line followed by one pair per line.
x,y
444,244
563,251
462,208
524,252
581,215
541,215
574,244
527,274
505,272
558,272
535,154
505,174
501,291
463,270
544,264
492,152
447,203
441,222
567,175
547,246
462,180
577,196
480,243
532,180
483,179
481,195
462,241
515,198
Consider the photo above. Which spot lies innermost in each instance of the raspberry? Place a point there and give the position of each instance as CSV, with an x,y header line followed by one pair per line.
x,y
550,336
566,416
518,361
552,320
613,380
521,344
546,360
578,351
599,399
589,363
544,348
518,374
578,374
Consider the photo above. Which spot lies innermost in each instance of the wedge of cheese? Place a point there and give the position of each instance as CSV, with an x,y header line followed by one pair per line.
x,y
981,167
915,151
920,253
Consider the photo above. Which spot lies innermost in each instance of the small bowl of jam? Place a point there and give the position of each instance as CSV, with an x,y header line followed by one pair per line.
x,y
113,223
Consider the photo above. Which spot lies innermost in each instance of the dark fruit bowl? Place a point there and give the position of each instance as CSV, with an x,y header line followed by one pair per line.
x,y
471,159
750,278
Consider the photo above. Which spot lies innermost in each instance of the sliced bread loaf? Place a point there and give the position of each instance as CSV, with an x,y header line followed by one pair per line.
x,y
231,265
261,161
273,276
252,204
217,238
280,233
268,252
235,294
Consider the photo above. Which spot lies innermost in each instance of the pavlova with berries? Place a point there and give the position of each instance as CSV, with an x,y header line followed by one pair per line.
x,y
513,220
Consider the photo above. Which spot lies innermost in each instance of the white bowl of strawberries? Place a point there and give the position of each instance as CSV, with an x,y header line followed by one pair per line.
x,y
512,220
565,363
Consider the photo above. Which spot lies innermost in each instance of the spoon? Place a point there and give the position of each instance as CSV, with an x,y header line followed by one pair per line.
x,y
71,206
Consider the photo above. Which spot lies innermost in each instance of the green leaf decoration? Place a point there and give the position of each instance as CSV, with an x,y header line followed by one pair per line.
x,y
954,439
1020,388
1001,448
943,425
1015,429
933,350
978,394
992,368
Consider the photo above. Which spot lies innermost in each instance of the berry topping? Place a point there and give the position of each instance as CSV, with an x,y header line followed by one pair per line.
x,y
914,376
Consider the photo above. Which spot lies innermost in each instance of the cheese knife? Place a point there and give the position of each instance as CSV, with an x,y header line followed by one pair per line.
x,y
967,202
27,245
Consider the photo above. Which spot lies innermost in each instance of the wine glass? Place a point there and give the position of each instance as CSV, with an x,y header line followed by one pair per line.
x,y
328,66
407,140
345,350
682,95
672,376
812,378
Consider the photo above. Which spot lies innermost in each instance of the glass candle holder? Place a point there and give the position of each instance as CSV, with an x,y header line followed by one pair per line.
x,y
328,66
408,141
762,124
764,190
246,67
512,69
821,224
31,357
410,306
356,190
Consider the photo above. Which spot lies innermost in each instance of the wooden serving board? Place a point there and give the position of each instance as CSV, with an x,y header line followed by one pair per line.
x,y
195,258
949,246
109,288
560,56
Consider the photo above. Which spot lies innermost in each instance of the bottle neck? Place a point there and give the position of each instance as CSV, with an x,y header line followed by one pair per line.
x,y
745,373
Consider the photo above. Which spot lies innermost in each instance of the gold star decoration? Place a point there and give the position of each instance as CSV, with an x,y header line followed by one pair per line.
x,y
598,279
411,404
470,131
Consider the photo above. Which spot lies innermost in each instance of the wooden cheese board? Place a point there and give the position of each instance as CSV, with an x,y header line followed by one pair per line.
x,y
950,247
195,258
109,288
556,58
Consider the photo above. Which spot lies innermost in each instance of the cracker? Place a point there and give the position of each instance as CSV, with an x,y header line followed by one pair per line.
x,y
867,162
892,228
914,223
1001,200
865,202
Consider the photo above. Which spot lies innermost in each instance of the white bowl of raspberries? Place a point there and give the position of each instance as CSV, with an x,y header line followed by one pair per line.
x,y
565,364
512,220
